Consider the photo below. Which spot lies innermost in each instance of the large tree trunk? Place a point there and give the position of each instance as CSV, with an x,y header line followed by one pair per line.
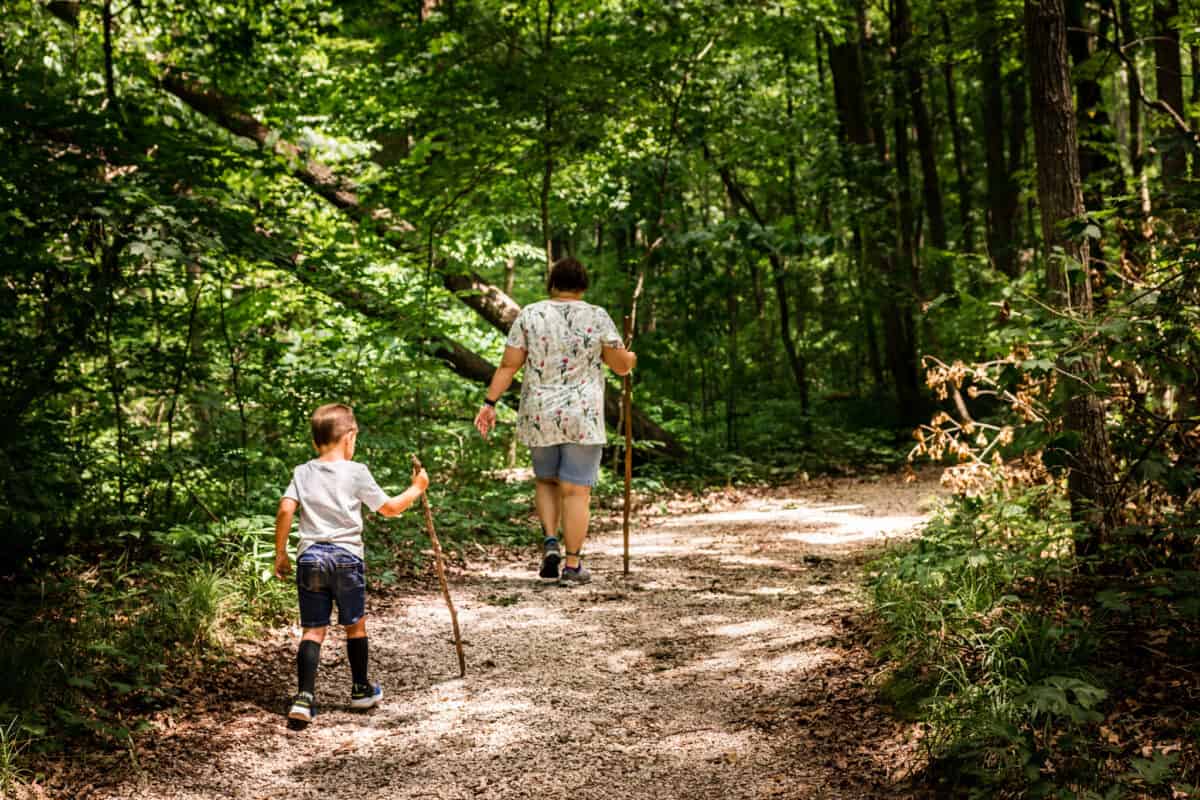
x,y
1060,198
1168,78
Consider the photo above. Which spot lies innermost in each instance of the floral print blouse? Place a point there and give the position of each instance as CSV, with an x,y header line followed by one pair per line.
x,y
562,397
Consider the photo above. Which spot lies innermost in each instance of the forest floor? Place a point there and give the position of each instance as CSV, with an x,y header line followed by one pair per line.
x,y
732,663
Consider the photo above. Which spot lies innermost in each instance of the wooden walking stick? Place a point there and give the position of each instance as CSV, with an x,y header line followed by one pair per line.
x,y
626,409
441,573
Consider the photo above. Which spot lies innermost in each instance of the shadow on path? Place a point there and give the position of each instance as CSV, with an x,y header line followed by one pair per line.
x,y
729,665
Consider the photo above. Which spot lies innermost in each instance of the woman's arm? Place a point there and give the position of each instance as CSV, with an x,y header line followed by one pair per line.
x,y
512,361
620,360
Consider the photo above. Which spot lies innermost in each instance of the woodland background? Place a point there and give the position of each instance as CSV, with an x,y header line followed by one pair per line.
x,y
846,222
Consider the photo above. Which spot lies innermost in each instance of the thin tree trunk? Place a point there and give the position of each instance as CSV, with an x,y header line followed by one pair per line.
x,y
931,187
236,385
1194,100
1002,205
547,134
1060,197
906,252
1168,79
177,389
1094,126
876,248
960,162
110,84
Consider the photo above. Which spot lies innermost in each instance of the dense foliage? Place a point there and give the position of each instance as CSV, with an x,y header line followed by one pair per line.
x,y
835,222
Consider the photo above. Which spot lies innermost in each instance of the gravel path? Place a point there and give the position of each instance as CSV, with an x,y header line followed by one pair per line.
x,y
729,664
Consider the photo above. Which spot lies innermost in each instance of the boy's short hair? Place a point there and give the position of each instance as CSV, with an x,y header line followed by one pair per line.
x,y
331,422
568,275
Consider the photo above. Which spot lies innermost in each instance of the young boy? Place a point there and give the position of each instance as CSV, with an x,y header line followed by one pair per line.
x,y
329,491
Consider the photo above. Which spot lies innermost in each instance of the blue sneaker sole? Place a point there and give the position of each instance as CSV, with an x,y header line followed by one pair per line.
x,y
363,703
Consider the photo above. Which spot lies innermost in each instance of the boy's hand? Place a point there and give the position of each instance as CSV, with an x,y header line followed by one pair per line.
x,y
420,480
485,420
283,566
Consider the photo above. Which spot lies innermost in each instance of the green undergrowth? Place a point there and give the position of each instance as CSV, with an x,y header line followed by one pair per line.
x,y
1033,674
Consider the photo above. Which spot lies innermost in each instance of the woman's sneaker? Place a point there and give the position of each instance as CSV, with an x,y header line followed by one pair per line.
x,y
303,708
550,560
575,576
364,696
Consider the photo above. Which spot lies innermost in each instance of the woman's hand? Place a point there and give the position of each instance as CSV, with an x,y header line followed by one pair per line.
x,y
485,420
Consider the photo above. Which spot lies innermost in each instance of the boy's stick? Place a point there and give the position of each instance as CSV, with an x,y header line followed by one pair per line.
x,y
627,403
441,573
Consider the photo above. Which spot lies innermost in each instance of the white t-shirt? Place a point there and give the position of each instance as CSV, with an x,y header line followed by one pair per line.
x,y
331,495
562,390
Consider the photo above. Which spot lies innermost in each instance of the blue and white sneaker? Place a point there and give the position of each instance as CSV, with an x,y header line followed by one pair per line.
x,y
304,708
364,696
550,560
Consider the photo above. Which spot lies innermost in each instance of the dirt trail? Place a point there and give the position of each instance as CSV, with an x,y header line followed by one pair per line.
x,y
728,665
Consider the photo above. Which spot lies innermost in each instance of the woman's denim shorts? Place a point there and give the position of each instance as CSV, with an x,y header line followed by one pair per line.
x,y
573,463
325,573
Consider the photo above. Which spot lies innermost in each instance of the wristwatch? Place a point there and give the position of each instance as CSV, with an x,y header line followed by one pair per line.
x,y
488,402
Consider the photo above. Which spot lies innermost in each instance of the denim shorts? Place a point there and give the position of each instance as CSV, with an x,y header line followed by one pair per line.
x,y
325,573
573,463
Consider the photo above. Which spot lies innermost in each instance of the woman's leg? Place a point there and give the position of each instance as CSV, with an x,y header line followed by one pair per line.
x,y
549,508
576,513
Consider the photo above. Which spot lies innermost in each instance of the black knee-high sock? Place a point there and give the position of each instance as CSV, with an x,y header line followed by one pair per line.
x,y
357,650
307,659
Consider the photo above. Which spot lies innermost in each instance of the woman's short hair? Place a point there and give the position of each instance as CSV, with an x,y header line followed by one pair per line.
x,y
567,275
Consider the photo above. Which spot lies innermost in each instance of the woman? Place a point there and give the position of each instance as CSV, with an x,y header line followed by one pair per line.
x,y
561,342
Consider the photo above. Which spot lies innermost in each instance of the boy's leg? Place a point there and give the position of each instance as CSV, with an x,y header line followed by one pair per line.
x,y
356,651
308,658
352,616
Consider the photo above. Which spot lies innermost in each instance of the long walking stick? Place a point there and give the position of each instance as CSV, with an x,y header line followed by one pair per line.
x,y
441,573
627,408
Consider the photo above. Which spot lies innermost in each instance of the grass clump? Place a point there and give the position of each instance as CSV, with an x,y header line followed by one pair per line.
x,y
1026,668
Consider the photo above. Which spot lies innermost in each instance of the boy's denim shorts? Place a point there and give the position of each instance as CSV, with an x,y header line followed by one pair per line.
x,y
325,573
573,463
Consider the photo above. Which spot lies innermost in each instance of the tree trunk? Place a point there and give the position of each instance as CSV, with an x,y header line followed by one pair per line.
x,y
1168,78
906,251
1094,126
931,188
547,138
967,230
1060,198
1194,57
1001,194
894,293
110,87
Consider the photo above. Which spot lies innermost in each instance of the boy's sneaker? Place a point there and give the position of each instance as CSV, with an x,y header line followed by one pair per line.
x,y
303,708
575,576
550,560
364,696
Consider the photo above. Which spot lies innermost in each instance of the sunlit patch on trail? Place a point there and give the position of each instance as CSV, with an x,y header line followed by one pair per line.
x,y
756,627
